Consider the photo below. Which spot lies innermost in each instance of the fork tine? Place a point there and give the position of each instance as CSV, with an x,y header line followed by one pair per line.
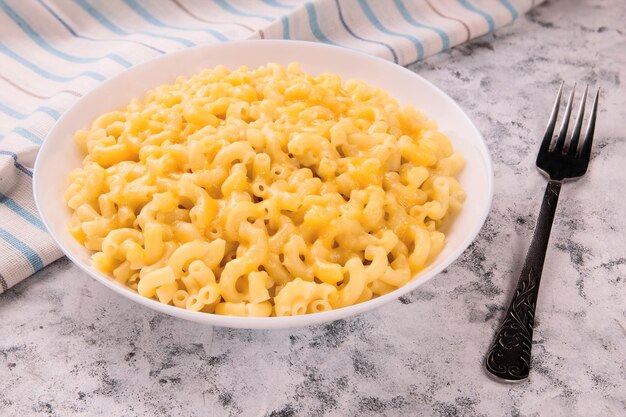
x,y
560,142
586,149
573,144
547,137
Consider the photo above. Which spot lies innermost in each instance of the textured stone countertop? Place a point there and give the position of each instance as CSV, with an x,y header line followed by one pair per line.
x,y
69,346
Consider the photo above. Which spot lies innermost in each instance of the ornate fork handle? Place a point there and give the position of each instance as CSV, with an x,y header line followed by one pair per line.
x,y
509,355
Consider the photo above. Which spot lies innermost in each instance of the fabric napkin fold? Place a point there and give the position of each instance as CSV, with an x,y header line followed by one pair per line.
x,y
54,51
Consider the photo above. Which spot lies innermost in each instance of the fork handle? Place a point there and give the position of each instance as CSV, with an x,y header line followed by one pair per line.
x,y
509,355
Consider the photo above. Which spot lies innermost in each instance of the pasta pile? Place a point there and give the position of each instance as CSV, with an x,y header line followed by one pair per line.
x,y
265,192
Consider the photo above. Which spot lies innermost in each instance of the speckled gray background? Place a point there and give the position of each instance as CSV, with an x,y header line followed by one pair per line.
x,y
69,346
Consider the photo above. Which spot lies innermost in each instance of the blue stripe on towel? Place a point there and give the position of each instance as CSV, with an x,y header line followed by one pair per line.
x,y
136,7
369,13
28,135
17,164
17,115
77,35
278,4
510,8
11,54
315,27
23,248
469,6
224,5
285,22
445,40
354,35
22,212
39,40
102,19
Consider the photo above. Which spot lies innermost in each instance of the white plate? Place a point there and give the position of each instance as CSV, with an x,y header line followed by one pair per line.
x,y
59,155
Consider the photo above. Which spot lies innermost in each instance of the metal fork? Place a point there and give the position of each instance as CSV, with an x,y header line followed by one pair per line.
x,y
509,355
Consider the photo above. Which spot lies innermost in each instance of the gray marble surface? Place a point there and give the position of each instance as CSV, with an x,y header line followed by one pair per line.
x,y
69,346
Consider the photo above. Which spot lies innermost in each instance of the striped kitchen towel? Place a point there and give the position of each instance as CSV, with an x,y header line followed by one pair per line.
x,y
54,51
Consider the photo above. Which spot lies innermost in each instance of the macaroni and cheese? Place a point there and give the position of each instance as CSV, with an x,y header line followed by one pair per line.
x,y
265,192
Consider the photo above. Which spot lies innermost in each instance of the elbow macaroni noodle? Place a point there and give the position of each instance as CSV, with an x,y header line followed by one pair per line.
x,y
265,192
